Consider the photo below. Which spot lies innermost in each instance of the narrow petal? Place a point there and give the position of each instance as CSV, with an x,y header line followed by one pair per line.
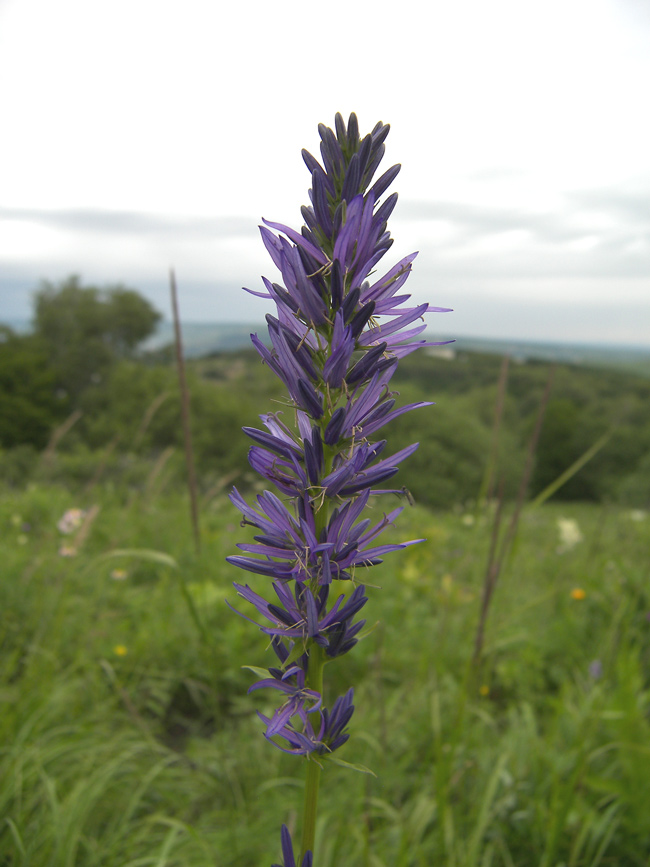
x,y
298,239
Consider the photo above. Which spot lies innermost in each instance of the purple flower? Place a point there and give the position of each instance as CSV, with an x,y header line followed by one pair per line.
x,y
595,669
301,616
331,733
297,696
287,852
289,549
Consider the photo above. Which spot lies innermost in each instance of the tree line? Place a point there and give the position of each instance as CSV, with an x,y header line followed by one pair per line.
x,y
83,357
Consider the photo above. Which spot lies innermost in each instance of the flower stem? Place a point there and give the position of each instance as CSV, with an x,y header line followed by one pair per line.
x,y
312,781
312,784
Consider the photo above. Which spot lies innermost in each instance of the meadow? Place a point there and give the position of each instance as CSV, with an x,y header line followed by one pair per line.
x,y
128,739
502,700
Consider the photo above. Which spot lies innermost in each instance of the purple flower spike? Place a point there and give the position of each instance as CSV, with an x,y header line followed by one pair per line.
x,y
335,339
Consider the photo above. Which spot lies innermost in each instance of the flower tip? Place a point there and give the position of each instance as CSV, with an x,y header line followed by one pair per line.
x,y
287,852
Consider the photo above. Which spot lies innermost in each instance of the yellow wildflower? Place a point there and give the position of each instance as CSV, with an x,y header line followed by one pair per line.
x,y
120,650
578,593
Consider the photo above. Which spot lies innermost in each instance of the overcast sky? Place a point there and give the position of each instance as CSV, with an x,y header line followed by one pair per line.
x,y
139,134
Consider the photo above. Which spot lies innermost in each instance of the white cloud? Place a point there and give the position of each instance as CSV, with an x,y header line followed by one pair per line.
x,y
147,133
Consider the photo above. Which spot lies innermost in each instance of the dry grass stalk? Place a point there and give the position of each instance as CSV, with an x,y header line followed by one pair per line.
x,y
152,409
57,435
157,469
219,485
84,530
101,467
185,416
501,547
490,578
496,429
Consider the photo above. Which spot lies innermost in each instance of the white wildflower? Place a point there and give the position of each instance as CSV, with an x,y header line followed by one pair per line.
x,y
71,521
569,533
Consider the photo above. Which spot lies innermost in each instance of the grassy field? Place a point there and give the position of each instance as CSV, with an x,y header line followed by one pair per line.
x,y
128,738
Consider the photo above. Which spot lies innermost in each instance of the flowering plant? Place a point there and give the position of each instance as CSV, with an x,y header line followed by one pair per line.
x,y
335,344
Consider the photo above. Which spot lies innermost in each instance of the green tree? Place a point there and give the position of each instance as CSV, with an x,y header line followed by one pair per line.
x,y
561,443
86,328
29,404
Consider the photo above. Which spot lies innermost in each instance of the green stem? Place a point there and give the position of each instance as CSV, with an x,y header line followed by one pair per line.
x,y
314,680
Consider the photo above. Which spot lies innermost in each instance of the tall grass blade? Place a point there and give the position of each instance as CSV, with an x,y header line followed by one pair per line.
x,y
143,554
569,473
484,815
16,836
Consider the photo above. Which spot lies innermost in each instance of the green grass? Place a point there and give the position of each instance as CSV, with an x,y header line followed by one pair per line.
x,y
155,756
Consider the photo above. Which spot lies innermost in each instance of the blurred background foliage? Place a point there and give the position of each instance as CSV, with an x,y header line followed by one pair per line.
x,y
82,357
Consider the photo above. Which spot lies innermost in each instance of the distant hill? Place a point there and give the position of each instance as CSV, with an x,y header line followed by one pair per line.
x,y
200,339
206,338
20,326
631,358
